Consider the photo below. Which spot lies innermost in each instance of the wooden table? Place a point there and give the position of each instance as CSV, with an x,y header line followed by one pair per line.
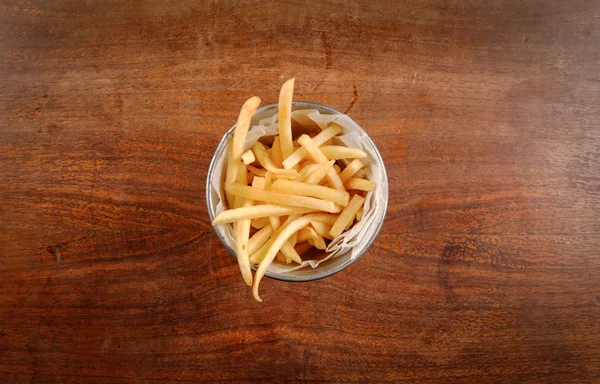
x,y
487,268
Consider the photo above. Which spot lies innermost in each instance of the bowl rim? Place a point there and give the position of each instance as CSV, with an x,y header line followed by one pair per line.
x,y
213,164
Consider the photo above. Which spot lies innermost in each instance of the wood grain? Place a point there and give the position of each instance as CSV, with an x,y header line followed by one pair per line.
x,y
486,113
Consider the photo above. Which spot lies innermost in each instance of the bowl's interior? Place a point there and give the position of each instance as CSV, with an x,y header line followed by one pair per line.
x,y
324,269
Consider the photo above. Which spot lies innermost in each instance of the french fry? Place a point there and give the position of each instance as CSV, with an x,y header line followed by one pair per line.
x,y
280,257
239,137
274,221
259,222
359,213
301,189
265,160
265,210
337,152
268,181
259,255
284,234
359,184
319,139
282,199
290,253
312,149
307,171
242,233
276,156
285,117
350,170
337,168
322,229
258,182
257,171
259,239
319,173
242,179
248,157
346,216
310,235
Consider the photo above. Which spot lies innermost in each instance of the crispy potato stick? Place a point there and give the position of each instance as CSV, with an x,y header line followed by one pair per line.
x,y
318,174
268,180
359,213
302,248
274,221
350,170
359,184
248,157
259,255
290,253
258,182
280,257
322,229
282,199
293,239
346,216
291,175
337,152
239,137
265,160
276,153
319,139
295,188
256,171
285,117
242,233
337,168
312,149
307,171
361,173
242,179
285,232
259,222
334,180
310,235
259,239
265,210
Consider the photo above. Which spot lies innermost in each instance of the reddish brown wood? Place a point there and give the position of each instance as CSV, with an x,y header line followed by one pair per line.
x,y
487,114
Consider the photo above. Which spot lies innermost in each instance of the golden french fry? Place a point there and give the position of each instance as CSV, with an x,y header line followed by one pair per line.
x,y
307,171
257,171
337,152
293,239
242,178
280,257
319,139
265,160
322,229
265,210
259,222
282,199
359,184
359,213
337,168
248,157
239,137
268,181
285,117
242,233
258,182
259,239
350,170
276,156
346,216
319,173
274,221
259,255
301,189
310,235
290,253
284,234
312,149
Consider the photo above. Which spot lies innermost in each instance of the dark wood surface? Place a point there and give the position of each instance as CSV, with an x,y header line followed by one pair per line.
x,y
487,114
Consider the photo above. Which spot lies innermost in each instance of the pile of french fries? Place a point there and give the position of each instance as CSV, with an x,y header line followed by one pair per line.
x,y
290,196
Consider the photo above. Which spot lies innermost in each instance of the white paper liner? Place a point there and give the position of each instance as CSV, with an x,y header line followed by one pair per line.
x,y
349,244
